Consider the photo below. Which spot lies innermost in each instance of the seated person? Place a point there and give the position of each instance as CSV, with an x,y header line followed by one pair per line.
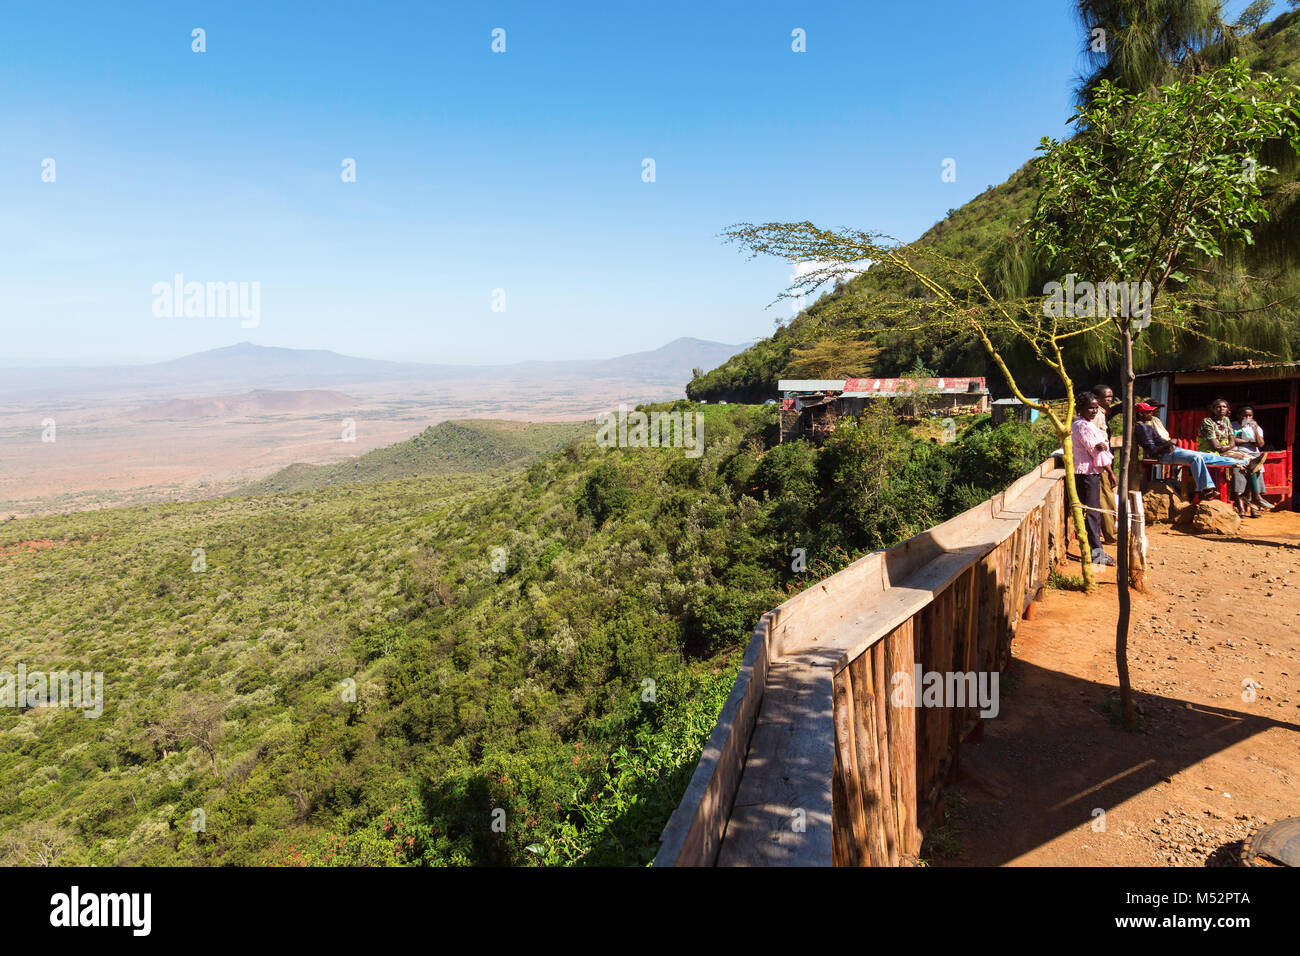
x,y
1152,438
1216,437
1250,439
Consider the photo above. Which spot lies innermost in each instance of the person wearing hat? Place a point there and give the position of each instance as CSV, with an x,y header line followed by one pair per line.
x,y
1155,421
1151,437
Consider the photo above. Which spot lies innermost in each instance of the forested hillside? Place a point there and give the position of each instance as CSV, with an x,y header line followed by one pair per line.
x,y
824,340
469,446
511,669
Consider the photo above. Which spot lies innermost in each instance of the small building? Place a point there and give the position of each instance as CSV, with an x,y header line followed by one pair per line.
x,y
809,407
813,407
1270,388
1013,410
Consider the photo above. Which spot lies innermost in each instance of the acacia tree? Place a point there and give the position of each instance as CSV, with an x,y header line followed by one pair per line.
x,y
197,719
35,843
1154,184
925,291
1253,16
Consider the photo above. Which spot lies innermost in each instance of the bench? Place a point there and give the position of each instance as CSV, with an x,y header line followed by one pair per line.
x,y
1158,469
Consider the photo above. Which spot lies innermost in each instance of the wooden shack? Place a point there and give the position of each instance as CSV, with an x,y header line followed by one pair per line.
x,y
944,396
812,408
1270,388
1013,410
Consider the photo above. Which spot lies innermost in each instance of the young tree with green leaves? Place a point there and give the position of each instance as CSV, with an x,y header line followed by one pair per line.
x,y
917,395
935,295
1153,185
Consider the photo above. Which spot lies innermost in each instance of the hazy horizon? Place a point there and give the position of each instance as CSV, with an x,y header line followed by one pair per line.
x,y
7,362
476,172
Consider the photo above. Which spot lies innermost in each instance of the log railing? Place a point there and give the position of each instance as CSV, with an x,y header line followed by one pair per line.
x,y
814,759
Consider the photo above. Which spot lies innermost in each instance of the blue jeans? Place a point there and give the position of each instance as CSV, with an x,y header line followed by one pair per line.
x,y
1197,462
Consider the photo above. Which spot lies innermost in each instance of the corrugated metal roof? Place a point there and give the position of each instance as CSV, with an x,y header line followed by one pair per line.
x,y
877,387
1234,367
868,387
874,386
810,385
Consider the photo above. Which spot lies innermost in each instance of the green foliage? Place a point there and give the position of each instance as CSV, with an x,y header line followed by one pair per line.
x,y
1143,43
881,487
832,358
989,457
471,446
855,467
1156,181
750,376
375,689
1253,16
720,617
1149,41
606,494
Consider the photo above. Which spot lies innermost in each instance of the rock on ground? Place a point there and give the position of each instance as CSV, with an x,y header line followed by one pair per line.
x,y
1162,501
1215,517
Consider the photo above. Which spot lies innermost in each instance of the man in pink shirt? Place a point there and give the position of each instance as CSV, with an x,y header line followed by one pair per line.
x,y
1092,457
1108,409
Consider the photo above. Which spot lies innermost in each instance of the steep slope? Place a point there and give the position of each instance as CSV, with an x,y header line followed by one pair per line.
x,y
363,674
981,231
471,446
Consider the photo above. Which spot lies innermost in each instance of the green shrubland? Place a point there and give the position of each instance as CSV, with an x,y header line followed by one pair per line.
x,y
465,446
514,668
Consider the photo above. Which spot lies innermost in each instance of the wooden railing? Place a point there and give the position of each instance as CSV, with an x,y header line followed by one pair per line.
x,y
813,761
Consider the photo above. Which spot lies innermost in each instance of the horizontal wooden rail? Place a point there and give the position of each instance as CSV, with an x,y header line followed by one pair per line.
x,y
811,762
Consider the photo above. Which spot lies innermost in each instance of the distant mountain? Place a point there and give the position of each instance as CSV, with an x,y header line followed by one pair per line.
x,y
258,402
673,362
249,366
469,446
271,364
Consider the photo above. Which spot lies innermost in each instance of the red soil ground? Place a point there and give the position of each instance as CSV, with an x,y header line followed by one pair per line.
x,y
1213,758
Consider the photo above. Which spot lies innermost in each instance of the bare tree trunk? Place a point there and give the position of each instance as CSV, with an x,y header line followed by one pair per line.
x,y
1072,491
1125,598
1076,509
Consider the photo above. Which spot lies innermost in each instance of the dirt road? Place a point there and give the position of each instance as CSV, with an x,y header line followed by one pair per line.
x,y
1215,664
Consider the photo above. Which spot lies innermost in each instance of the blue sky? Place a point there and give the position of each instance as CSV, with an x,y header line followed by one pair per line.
x,y
477,171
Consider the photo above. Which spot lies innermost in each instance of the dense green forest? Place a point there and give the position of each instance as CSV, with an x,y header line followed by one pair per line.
x,y
984,231
513,668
